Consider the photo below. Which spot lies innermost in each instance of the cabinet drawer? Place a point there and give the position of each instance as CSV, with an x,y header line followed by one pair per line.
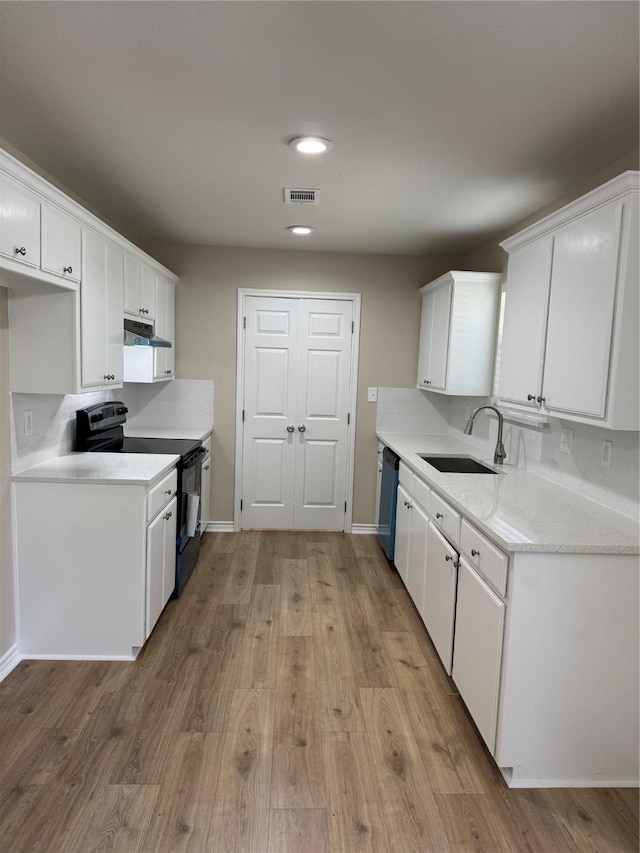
x,y
483,555
445,517
405,477
161,494
421,492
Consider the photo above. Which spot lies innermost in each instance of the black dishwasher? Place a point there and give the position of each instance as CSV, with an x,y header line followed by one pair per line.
x,y
388,494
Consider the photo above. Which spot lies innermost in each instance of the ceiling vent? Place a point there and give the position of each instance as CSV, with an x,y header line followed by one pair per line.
x,y
301,196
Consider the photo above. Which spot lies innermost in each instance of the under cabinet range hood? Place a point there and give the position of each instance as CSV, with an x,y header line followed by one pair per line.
x,y
137,334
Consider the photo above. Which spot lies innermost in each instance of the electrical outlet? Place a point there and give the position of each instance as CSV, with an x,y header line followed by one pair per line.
x,y
566,441
372,395
28,423
607,449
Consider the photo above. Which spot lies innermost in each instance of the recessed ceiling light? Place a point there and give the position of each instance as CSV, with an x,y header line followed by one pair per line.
x,y
311,144
300,229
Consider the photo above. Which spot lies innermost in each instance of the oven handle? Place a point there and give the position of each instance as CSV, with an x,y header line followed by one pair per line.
x,y
194,458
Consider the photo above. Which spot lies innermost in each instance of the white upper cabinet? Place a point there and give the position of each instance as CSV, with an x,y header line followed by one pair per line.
x,y
101,313
457,333
61,243
570,337
139,289
68,275
19,223
164,362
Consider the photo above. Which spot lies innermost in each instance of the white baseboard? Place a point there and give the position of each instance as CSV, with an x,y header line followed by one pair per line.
x,y
219,527
369,529
9,661
80,657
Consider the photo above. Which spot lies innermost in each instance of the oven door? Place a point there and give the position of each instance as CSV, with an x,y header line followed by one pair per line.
x,y
188,542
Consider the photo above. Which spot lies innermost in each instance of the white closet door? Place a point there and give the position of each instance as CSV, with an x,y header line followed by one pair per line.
x,y
297,388
324,377
271,360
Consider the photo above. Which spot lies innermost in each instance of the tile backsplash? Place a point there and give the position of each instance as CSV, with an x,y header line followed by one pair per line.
x,y
536,449
180,403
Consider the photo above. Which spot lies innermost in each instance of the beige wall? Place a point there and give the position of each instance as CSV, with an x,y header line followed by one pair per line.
x,y
489,257
7,597
206,304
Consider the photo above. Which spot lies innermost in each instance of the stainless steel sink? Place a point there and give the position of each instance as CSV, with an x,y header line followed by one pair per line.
x,y
456,464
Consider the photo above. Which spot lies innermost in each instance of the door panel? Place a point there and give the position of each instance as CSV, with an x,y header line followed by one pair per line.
x,y
271,350
324,377
297,375
440,594
440,336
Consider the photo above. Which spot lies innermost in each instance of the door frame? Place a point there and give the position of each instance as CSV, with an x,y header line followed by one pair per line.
x,y
355,298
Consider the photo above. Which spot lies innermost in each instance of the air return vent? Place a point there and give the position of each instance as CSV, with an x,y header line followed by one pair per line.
x,y
301,196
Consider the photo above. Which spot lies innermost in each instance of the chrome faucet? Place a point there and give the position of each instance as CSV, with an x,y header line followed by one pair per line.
x,y
499,454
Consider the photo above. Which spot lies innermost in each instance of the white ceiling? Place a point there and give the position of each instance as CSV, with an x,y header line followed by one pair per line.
x,y
451,120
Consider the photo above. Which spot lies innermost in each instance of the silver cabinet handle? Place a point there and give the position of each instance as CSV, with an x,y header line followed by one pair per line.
x,y
301,428
290,428
67,269
475,553
439,515
21,251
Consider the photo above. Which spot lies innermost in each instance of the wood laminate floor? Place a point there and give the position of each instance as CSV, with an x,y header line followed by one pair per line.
x,y
290,700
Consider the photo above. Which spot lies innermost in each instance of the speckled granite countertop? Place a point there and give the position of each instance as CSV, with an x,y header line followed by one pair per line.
x,y
518,510
115,469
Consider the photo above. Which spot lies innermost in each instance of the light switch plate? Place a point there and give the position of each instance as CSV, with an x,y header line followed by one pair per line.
x,y
28,423
372,395
566,441
607,448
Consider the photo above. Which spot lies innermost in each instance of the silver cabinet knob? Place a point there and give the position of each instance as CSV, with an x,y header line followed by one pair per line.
x,y
475,553
21,251
167,516
531,397
540,399
167,491
67,269
290,428
109,376
427,381
439,515
168,372
301,428
206,468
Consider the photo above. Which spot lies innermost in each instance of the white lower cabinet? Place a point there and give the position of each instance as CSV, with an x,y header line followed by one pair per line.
x,y
205,512
440,594
161,563
478,649
412,524
403,526
92,575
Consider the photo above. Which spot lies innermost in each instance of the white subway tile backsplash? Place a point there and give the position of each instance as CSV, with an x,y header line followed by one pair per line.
x,y
180,403
411,410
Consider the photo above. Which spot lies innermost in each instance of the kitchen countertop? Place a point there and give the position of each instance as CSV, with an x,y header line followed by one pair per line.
x,y
518,510
194,433
115,469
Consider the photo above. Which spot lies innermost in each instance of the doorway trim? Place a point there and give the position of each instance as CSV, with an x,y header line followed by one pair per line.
x,y
243,293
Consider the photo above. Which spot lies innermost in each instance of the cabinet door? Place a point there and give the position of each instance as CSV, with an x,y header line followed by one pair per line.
x,y
161,563
417,563
478,650
440,594
403,524
148,295
61,244
164,328
525,318
19,224
581,308
440,336
426,325
93,308
169,552
114,300
205,514
132,285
